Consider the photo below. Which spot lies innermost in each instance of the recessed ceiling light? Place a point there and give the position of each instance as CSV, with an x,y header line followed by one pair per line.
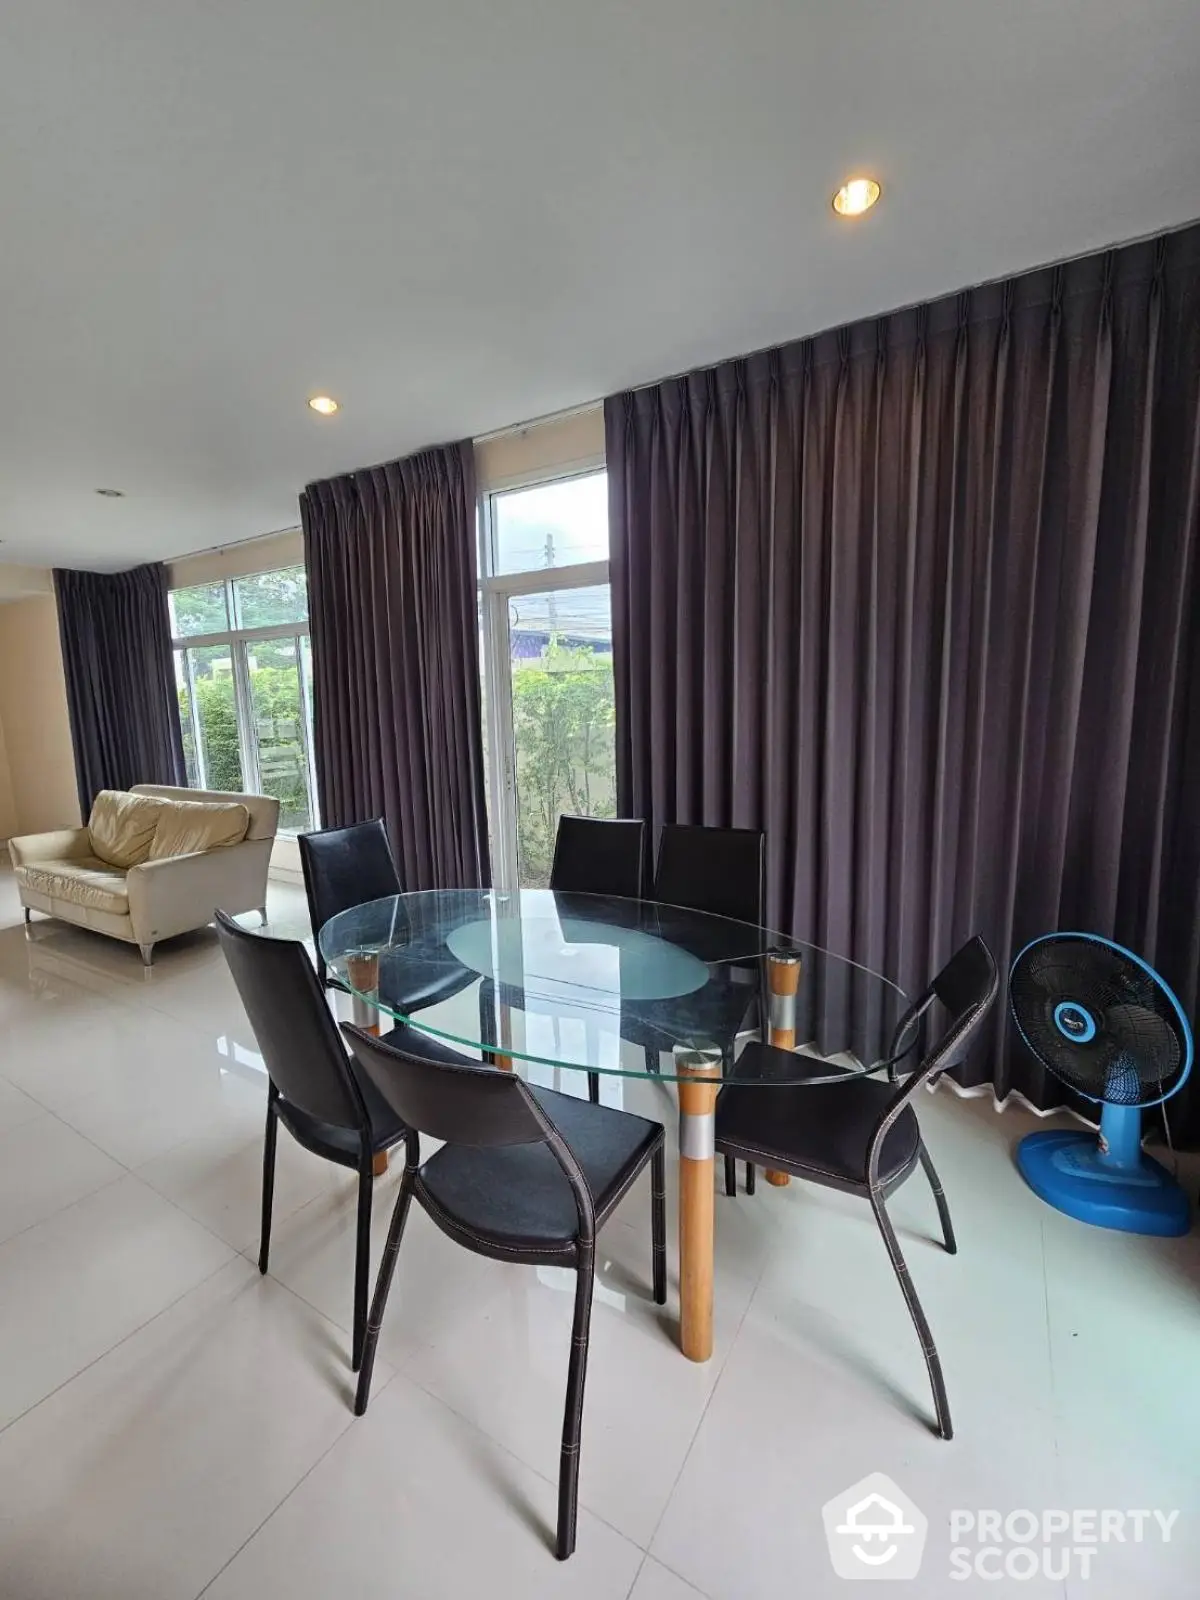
x,y
855,197
112,494
325,404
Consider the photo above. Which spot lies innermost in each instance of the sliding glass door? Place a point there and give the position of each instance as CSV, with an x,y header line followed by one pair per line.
x,y
243,670
547,667
277,727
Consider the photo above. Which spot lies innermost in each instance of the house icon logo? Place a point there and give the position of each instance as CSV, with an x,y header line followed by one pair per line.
x,y
874,1531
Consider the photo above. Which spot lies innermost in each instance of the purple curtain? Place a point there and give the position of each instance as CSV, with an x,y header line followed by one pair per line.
x,y
124,709
920,597
390,554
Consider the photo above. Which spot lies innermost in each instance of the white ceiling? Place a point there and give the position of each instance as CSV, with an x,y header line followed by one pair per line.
x,y
458,214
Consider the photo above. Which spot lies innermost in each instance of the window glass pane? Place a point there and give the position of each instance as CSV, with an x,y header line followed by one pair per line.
x,y
278,712
187,725
551,525
268,598
560,647
200,609
219,757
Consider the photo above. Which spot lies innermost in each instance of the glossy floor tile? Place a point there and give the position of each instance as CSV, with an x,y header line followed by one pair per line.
x,y
413,1500
45,1166
75,1284
656,1582
165,1456
172,1424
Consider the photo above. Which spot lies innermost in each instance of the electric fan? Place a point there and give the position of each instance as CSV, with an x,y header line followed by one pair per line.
x,y
1102,1021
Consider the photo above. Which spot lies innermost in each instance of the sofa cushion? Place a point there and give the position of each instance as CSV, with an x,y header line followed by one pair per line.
x,y
264,811
121,826
83,881
187,826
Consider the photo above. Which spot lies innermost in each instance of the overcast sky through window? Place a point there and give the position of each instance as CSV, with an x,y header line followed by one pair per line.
x,y
552,524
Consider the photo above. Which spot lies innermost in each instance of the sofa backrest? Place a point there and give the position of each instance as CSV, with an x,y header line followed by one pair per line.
x,y
121,826
264,811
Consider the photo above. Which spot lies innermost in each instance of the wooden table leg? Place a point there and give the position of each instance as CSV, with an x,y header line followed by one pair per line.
x,y
504,1019
699,1077
783,982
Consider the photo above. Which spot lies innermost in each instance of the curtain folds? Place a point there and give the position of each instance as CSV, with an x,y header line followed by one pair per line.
x,y
390,554
124,710
921,597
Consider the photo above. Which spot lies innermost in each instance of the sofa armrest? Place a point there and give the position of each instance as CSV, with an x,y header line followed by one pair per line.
x,y
64,844
182,892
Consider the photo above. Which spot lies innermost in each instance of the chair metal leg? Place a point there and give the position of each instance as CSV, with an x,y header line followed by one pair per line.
x,y
658,1223
262,915
749,1177
268,1183
928,1348
362,1259
383,1284
568,1469
28,916
652,1062
730,1177
594,1088
939,1196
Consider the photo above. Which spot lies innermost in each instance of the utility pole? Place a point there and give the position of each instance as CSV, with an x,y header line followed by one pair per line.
x,y
553,605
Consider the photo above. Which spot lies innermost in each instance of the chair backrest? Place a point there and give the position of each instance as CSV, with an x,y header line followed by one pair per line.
x,y
967,986
345,867
719,870
469,1105
296,1034
599,855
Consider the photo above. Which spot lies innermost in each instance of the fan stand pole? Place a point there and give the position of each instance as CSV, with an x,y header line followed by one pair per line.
x,y
783,983
1121,1137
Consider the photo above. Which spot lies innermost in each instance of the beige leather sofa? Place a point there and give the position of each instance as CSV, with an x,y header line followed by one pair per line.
x,y
152,862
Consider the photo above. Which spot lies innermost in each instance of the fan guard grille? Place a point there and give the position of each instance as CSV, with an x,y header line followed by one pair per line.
x,y
1099,1020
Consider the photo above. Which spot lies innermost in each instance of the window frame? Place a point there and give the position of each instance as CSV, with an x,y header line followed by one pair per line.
x,y
495,591
238,641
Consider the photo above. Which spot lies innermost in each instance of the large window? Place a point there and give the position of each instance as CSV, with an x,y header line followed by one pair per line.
x,y
547,667
244,675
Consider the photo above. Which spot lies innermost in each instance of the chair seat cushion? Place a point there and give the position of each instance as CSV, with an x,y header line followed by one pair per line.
x,y
81,880
821,1132
410,985
515,1202
717,1013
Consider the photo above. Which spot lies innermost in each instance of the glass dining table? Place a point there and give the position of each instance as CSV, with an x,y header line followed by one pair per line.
x,y
595,984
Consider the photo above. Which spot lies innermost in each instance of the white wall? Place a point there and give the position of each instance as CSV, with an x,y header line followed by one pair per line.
x,y
562,445
33,714
238,560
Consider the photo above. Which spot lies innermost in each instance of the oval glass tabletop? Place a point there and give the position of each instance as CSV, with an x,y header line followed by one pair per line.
x,y
601,984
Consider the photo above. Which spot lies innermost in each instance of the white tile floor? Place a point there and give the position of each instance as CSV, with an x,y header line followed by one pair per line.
x,y
172,1425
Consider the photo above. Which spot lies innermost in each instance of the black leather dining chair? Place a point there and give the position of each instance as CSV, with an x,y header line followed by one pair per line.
x,y
721,871
599,855
592,855
343,868
524,1175
718,870
314,1087
862,1136
348,867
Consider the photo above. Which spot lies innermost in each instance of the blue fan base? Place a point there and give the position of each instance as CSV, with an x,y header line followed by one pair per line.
x,y
1068,1171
